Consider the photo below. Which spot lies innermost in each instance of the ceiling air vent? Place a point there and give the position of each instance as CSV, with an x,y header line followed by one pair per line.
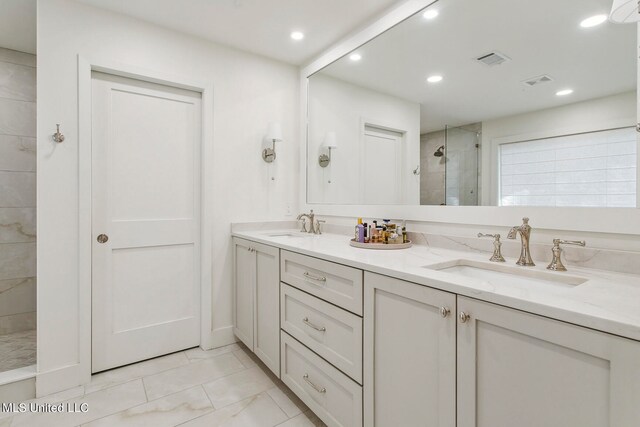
x,y
535,81
493,58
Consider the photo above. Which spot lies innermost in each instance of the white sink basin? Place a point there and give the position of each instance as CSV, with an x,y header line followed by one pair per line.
x,y
501,274
288,234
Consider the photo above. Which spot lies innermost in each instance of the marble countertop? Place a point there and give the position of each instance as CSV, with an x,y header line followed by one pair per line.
x,y
607,301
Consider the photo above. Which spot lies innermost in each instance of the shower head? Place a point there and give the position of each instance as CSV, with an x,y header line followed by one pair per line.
x,y
439,152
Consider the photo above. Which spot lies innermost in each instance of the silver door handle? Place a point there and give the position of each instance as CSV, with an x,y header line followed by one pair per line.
x,y
315,387
312,277
317,328
102,238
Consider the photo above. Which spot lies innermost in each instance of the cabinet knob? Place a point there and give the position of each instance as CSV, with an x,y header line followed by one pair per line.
x,y
464,317
444,311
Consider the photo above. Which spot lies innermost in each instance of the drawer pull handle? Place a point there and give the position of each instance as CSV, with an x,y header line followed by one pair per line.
x,y
317,328
316,278
315,387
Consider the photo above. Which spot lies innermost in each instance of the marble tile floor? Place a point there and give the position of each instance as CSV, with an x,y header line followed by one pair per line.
x,y
17,350
227,386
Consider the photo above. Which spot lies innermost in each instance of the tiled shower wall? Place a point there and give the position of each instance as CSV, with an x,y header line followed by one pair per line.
x,y
17,191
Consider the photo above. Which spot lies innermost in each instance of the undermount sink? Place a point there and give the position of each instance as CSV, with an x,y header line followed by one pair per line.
x,y
288,234
501,274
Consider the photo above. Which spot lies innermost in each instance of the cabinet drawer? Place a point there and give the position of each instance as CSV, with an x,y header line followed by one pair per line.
x,y
331,332
338,284
330,394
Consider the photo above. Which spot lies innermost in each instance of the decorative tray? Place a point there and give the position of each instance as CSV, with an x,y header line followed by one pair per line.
x,y
380,246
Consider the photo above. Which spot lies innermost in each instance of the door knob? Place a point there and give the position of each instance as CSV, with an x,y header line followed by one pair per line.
x,y
102,238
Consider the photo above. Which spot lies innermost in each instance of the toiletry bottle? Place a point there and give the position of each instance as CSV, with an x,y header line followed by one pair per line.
x,y
360,233
405,238
367,233
357,230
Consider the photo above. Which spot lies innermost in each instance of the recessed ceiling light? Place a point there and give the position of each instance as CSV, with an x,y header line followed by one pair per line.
x,y
434,79
592,21
430,14
355,57
297,35
564,92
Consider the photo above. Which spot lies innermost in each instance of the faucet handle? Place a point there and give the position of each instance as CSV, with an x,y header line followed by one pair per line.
x,y
318,222
556,262
304,225
497,245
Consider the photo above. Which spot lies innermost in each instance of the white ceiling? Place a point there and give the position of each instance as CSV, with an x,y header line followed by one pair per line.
x,y
18,25
541,37
258,26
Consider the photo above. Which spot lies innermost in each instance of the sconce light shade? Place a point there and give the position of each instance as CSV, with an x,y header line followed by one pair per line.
x,y
624,11
275,132
330,140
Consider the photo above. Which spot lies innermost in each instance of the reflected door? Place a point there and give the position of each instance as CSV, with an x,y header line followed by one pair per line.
x,y
145,220
381,166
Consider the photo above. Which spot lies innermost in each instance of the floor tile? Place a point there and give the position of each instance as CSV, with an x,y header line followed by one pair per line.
x,y
100,404
137,370
190,375
248,359
287,401
198,353
306,419
167,411
256,411
233,388
61,396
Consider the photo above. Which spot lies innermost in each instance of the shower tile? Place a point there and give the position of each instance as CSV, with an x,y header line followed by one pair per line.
x,y
17,323
17,189
17,153
17,82
15,57
17,118
19,298
17,260
17,225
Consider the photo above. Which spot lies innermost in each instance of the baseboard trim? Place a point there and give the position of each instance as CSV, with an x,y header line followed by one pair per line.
x,y
18,391
58,380
221,337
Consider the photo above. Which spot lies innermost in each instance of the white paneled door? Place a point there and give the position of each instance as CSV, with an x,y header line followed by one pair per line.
x,y
146,144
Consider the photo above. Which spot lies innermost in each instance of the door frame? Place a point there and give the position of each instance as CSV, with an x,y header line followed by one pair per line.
x,y
85,66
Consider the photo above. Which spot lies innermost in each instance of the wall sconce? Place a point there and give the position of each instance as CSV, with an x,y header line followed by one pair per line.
x,y
330,143
274,134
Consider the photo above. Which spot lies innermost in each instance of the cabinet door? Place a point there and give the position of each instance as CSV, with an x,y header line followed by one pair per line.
x,y
515,368
266,337
409,354
244,273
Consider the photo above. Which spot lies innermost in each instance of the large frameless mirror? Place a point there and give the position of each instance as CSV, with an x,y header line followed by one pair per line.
x,y
480,103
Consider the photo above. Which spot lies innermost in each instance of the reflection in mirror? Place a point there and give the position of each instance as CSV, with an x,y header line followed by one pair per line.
x,y
481,103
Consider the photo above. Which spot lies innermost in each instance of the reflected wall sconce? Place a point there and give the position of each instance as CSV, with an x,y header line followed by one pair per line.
x,y
274,134
624,11
331,143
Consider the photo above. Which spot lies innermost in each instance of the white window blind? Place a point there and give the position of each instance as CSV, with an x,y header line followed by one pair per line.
x,y
590,169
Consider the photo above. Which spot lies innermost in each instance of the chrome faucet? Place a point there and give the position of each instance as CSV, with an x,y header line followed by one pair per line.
x,y
525,233
314,226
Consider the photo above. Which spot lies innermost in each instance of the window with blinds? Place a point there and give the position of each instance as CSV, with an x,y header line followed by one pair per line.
x,y
596,169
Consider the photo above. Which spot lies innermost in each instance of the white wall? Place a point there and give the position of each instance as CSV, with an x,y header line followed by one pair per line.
x,y
249,91
335,105
588,116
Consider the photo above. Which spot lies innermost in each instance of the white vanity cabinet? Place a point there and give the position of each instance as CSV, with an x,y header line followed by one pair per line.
x,y
516,368
409,354
256,300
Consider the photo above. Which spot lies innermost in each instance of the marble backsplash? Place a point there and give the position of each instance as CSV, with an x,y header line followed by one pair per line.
x,y
17,192
600,259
